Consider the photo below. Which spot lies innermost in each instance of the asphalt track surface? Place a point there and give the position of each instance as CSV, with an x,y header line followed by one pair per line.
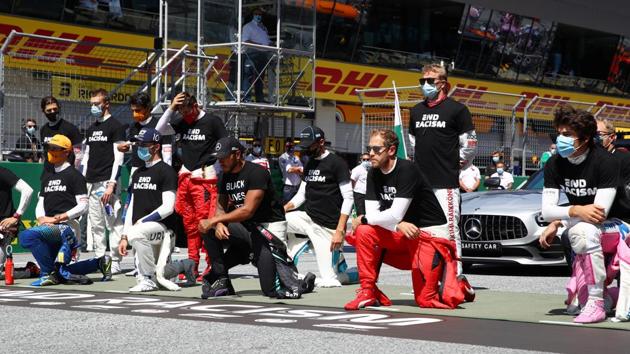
x,y
59,319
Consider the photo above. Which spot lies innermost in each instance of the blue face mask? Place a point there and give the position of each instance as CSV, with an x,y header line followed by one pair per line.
x,y
429,91
143,153
258,18
366,164
257,150
564,145
500,171
96,111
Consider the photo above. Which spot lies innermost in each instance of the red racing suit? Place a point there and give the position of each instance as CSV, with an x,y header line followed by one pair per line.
x,y
196,199
432,261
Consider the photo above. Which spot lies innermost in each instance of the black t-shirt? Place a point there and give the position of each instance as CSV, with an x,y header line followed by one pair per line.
x,y
100,137
133,130
60,189
323,197
147,185
406,181
621,207
251,177
437,132
8,180
581,182
198,140
64,128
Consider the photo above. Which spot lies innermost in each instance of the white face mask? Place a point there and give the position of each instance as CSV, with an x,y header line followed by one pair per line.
x,y
366,164
578,159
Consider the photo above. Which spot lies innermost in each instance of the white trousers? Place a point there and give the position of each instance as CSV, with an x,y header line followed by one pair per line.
x,y
100,221
298,222
449,201
152,244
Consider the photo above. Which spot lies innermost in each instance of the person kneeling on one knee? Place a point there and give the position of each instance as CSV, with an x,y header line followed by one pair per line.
x,y
148,222
62,200
589,176
404,226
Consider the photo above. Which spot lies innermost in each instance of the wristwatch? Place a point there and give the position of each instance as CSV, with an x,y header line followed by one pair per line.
x,y
364,220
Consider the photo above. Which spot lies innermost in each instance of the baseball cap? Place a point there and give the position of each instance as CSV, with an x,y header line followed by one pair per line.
x,y
226,146
309,135
61,141
147,135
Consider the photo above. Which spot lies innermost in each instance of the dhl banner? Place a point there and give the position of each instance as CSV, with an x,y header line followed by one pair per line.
x,y
333,80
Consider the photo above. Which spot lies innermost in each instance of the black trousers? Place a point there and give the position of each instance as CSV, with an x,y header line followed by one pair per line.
x,y
243,242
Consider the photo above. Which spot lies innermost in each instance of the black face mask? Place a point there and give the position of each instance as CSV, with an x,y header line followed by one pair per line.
x,y
312,152
52,116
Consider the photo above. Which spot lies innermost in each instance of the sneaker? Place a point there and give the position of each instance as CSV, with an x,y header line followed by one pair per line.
x,y
593,312
573,310
77,279
145,284
220,287
105,266
33,269
383,300
115,269
466,288
46,280
132,273
365,297
327,283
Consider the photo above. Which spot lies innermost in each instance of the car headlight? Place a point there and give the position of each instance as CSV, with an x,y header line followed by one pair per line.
x,y
540,220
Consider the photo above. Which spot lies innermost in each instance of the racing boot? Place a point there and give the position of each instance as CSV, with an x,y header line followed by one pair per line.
x,y
220,287
105,266
467,289
46,280
593,312
365,297
145,284
307,284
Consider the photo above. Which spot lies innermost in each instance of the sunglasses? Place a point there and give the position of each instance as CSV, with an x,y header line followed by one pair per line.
x,y
376,149
428,80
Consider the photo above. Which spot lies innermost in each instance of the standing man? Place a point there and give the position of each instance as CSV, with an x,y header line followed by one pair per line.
x,y
405,226
57,125
359,178
443,134
255,32
506,179
141,112
327,195
291,168
148,222
62,199
249,219
197,184
101,168
9,215
257,156
469,178
27,143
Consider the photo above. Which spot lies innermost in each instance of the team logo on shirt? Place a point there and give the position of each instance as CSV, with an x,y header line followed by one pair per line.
x,y
431,121
55,185
194,135
388,193
577,187
97,136
315,176
144,183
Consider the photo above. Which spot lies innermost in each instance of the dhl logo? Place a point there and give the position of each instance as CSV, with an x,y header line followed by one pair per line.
x,y
24,49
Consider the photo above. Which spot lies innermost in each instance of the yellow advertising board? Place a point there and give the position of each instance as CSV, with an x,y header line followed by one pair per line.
x,y
333,80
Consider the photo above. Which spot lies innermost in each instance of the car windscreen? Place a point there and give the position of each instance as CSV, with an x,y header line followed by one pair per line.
x,y
535,181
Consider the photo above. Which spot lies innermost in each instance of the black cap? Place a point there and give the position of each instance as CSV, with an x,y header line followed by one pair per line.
x,y
226,146
147,135
310,135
